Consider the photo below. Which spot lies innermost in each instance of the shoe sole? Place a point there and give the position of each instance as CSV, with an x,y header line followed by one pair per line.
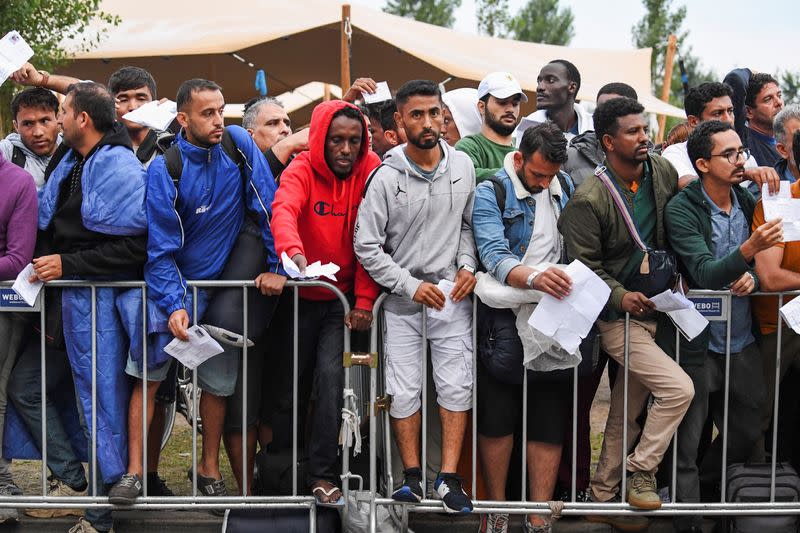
x,y
122,500
648,505
405,495
449,510
609,520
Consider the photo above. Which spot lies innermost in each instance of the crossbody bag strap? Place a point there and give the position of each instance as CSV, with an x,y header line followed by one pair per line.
x,y
601,174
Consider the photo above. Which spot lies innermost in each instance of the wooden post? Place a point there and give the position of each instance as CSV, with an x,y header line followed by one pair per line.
x,y
346,32
326,92
672,45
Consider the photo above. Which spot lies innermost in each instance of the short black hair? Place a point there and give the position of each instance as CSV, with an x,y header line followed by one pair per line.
x,y
699,144
796,146
546,138
349,112
94,100
697,97
383,112
188,87
617,87
754,86
416,88
606,115
35,97
128,78
573,74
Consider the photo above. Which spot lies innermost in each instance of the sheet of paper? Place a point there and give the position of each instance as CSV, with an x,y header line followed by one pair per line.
x,y
446,286
381,94
314,270
568,321
791,314
671,301
689,321
154,115
200,347
782,205
14,52
28,291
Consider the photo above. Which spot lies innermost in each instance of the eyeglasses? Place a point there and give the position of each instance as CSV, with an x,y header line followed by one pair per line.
x,y
733,155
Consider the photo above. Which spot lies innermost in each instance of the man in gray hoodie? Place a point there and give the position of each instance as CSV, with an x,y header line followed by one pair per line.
x,y
36,138
414,237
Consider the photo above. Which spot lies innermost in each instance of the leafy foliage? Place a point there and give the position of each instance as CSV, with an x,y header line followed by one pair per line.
x,y
438,12
543,21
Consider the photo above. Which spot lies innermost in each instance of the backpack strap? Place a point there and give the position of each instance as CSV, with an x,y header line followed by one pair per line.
x,y
18,157
233,151
499,192
174,162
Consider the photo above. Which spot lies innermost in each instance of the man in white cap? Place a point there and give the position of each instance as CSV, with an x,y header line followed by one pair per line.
x,y
499,100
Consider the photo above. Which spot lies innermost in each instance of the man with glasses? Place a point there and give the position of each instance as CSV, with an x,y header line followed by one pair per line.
x,y
708,227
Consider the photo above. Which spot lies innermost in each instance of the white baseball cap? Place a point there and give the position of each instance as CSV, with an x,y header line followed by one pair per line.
x,y
500,85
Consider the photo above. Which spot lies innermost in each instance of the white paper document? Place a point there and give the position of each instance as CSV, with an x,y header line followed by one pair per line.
x,y
27,291
154,115
689,321
446,286
200,347
671,301
568,321
782,205
791,314
381,94
314,270
14,52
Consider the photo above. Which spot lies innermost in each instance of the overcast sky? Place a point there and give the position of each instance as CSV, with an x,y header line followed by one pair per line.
x,y
724,34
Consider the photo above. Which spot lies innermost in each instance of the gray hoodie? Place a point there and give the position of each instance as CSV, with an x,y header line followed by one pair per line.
x,y
35,164
411,230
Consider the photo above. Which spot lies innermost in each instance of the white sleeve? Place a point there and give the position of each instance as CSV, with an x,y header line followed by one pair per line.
x,y
679,157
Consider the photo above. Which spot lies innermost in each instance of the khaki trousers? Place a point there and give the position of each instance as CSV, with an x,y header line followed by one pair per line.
x,y
651,371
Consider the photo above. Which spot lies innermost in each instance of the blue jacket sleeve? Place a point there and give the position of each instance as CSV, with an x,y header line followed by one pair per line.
x,y
487,226
260,192
165,282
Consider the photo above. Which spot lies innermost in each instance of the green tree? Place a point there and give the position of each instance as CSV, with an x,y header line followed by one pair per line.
x,y
438,12
46,25
493,17
790,86
543,21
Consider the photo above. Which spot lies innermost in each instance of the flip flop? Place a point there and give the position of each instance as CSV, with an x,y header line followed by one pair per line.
x,y
327,493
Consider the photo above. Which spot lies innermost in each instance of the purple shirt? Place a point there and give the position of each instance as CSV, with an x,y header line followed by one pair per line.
x,y
18,219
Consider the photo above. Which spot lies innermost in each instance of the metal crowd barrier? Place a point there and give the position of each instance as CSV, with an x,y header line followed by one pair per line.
x,y
715,306
194,501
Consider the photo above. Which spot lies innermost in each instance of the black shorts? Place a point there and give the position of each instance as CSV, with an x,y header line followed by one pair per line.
x,y
549,402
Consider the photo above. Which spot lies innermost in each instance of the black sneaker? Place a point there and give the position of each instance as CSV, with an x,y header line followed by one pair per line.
x,y
126,490
411,490
157,486
208,486
449,489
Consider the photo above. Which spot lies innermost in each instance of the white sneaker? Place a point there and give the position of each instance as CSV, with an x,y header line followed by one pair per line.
x,y
494,523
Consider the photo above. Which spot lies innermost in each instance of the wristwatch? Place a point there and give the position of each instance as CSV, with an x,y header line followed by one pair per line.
x,y
468,268
532,277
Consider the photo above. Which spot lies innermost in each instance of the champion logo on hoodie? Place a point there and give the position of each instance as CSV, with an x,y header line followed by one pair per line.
x,y
324,209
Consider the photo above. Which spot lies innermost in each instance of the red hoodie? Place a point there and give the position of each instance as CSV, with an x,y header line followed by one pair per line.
x,y
314,212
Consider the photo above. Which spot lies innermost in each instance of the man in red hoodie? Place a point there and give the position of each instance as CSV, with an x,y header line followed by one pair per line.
x,y
314,214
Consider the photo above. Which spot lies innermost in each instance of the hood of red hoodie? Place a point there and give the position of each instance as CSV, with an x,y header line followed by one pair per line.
x,y
321,119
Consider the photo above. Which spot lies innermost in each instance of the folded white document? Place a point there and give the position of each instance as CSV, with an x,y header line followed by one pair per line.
x,y
27,291
782,205
154,115
670,300
689,321
791,314
200,347
14,52
314,270
381,94
446,286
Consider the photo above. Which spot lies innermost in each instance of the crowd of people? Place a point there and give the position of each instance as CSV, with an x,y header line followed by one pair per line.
x,y
435,199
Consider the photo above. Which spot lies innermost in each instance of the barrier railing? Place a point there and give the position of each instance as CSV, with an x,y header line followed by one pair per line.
x,y
244,500
379,420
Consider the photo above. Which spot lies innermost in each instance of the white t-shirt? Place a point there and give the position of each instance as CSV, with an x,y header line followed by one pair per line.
x,y
679,157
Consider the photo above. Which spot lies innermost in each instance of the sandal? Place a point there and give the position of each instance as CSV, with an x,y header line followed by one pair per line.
x,y
319,491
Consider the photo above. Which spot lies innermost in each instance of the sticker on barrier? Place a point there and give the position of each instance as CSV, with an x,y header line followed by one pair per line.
x,y
10,301
711,307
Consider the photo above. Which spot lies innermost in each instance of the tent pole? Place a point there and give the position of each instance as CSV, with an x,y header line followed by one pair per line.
x,y
672,45
346,32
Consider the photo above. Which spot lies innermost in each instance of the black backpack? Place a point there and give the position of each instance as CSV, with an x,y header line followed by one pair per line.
x,y
172,156
18,157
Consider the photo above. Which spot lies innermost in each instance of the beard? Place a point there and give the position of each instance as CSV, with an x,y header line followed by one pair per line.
x,y
427,144
498,127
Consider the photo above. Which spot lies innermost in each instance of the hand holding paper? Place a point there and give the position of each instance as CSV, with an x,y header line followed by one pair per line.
x,y
200,347
314,270
27,290
381,94
14,53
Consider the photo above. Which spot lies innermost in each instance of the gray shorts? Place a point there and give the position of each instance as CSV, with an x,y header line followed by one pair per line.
x,y
218,374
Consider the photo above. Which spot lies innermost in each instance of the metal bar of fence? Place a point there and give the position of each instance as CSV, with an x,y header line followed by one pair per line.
x,y
524,439
194,403
626,355
145,391
94,391
776,406
573,494
43,384
424,367
245,427
726,400
474,399
295,379
674,484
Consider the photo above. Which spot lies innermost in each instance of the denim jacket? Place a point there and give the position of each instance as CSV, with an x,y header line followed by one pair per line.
x,y
503,240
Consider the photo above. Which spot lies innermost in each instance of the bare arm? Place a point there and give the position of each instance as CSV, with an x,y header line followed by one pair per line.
x,y
773,277
28,75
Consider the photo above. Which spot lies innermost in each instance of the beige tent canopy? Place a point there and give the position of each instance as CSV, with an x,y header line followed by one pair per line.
x,y
298,42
